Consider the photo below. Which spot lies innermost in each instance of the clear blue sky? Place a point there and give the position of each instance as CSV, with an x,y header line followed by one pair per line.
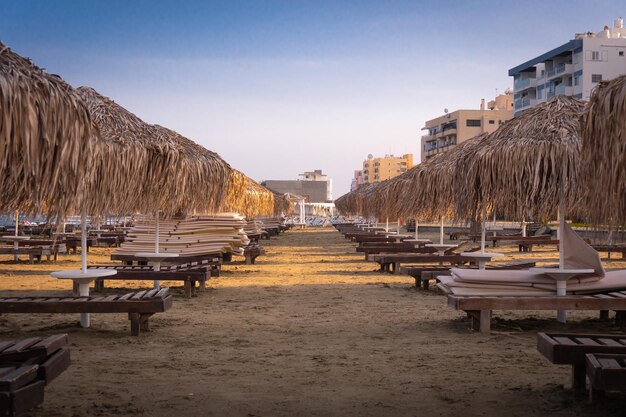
x,y
282,87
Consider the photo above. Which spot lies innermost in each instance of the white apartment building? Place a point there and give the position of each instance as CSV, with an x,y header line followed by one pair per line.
x,y
572,69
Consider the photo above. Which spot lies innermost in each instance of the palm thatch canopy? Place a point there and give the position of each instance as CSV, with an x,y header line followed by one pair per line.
x,y
46,142
603,134
142,167
283,204
526,166
427,191
248,197
355,202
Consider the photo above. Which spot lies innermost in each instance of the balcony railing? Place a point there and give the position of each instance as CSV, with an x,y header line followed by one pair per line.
x,y
522,83
524,102
563,90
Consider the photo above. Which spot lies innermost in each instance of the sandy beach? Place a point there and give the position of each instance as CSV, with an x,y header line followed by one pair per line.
x,y
310,330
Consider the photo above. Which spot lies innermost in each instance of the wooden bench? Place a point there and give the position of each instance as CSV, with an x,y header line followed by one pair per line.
x,y
140,306
26,367
391,262
479,308
394,248
606,372
190,275
571,348
611,248
214,261
423,274
527,245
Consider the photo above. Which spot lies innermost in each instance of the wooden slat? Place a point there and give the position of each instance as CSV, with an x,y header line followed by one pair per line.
x,y
126,296
565,341
139,295
20,345
608,363
587,341
609,342
18,378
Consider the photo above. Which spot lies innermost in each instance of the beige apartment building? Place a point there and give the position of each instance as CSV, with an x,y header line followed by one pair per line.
x,y
448,130
381,169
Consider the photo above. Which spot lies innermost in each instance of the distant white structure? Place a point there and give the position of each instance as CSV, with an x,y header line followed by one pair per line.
x,y
572,69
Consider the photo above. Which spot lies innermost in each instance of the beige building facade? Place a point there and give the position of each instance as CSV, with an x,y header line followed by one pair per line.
x,y
389,166
445,132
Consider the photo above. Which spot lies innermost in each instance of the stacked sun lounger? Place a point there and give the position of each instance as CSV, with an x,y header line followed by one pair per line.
x,y
189,237
26,367
272,225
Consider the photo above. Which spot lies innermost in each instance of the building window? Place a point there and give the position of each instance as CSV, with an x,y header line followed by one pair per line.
x,y
540,94
595,55
596,78
492,122
472,123
576,79
620,53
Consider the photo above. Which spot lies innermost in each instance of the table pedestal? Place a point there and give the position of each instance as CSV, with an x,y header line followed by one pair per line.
x,y
83,279
561,275
156,259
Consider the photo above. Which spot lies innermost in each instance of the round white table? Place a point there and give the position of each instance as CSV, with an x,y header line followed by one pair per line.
x,y
16,243
441,248
83,279
156,259
561,275
481,258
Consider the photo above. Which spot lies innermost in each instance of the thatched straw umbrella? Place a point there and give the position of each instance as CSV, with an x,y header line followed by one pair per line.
x,y
603,134
150,168
248,197
142,167
529,166
282,204
45,137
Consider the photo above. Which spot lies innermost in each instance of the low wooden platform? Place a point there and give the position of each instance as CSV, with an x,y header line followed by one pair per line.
x,y
479,308
140,305
194,277
423,274
26,367
571,348
606,372
391,262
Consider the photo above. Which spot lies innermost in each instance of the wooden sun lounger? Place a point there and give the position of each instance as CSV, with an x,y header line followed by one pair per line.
x,y
526,245
606,372
423,274
190,275
571,348
390,262
611,248
479,308
392,247
140,305
26,367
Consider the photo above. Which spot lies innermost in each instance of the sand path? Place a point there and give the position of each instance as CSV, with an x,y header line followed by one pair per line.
x,y
311,330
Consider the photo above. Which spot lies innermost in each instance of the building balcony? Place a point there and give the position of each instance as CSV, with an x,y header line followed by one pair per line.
x,y
524,103
525,83
564,90
559,70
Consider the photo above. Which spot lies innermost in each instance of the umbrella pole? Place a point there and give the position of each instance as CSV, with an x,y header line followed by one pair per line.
x,y
483,227
561,232
387,225
398,231
83,239
441,232
523,227
416,227
17,221
156,238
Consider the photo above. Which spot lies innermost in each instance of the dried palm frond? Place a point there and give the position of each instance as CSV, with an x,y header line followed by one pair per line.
x,y
142,167
46,145
603,134
526,166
